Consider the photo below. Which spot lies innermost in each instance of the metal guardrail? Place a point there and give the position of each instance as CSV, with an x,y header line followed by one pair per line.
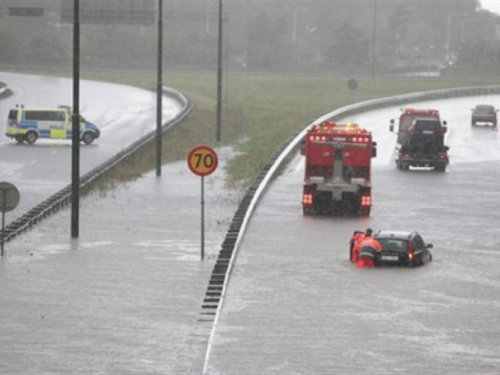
x,y
217,286
63,197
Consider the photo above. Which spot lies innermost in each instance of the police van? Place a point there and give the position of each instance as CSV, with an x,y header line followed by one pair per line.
x,y
28,124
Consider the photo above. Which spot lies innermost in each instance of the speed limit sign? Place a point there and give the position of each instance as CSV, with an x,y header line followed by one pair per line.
x,y
202,160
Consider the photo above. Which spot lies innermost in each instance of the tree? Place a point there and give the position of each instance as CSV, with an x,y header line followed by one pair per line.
x,y
348,51
268,44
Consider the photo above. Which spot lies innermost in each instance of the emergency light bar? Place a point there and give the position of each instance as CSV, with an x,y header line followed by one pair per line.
x,y
323,138
432,112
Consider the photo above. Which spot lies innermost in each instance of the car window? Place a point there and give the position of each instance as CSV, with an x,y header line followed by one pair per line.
x,y
485,108
13,114
392,244
427,124
44,115
418,243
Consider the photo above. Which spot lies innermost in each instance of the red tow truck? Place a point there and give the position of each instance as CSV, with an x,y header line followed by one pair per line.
x,y
337,169
420,140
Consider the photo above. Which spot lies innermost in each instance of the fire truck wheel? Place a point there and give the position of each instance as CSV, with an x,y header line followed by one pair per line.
x,y
364,212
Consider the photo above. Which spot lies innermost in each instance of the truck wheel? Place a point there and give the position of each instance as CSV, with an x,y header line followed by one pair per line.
x,y
306,211
31,137
399,165
473,123
19,138
440,167
364,212
88,138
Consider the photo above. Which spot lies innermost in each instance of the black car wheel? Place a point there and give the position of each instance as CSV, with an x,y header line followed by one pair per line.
x,y
87,138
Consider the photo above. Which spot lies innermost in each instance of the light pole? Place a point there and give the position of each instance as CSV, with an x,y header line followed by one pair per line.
x,y
374,36
295,15
414,53
219,77
207,17
75,138
159,89
430,56
448,33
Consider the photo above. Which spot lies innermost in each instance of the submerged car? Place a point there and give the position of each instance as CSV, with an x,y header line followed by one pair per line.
x,y
484,114
402,248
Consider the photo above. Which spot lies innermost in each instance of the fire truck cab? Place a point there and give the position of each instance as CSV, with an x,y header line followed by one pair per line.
x,y
337,169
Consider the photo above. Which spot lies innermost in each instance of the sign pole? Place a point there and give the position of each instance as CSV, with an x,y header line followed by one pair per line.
x,y
4,206
202,161
202,217
9,199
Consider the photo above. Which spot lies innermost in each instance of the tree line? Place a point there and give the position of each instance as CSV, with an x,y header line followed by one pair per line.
x,y
332,37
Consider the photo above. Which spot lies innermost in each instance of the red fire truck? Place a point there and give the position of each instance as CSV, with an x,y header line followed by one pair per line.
x,y
337,169
420,140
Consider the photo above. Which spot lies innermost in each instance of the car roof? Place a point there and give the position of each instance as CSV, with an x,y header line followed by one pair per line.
x,y
484,106
41,109
399,235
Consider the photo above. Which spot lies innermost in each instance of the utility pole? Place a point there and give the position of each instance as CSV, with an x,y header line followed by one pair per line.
x,y
159,89
449,50
374,37
219,76
75,142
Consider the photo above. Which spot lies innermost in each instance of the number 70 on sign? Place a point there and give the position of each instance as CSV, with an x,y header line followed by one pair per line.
x,y
202,160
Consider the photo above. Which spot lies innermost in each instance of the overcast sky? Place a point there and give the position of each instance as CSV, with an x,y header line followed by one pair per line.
x,y
491,5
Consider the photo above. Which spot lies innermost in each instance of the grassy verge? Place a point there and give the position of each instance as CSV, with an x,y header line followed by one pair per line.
x,y
259,112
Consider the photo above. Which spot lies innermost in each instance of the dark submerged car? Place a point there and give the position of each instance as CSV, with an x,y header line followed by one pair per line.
x,y
402,248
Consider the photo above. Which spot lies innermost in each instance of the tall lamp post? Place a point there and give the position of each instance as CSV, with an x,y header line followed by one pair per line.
x,y
448,33
295,17
75,139
219,76
374,37
159,89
